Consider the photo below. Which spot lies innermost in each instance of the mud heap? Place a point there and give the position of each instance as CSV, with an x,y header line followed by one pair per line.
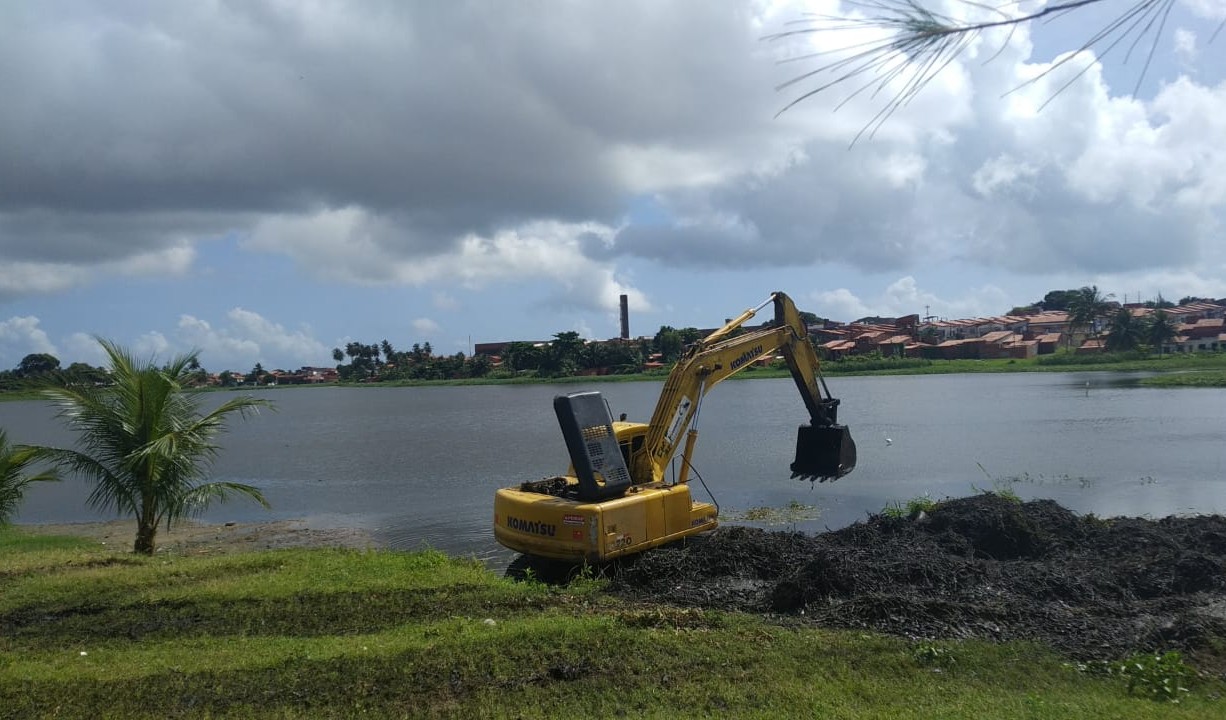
x,y
983,566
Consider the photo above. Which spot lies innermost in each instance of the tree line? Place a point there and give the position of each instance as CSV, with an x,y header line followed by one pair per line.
x,y
567,353
36,369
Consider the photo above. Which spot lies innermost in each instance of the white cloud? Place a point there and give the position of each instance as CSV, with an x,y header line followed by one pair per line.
x,y
175,259
839,304
24,336
152,344
445,301
1003,174
29,278
425,326
905,297
1185,49
249,338
1210,9
81,347
355,245
275,341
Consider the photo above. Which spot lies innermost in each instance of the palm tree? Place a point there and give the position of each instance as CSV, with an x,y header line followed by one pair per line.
x,y
1085,308
1125,332
145,443
1160,330
14,459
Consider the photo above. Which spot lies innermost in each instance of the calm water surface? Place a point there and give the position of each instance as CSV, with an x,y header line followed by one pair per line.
x,y
418,466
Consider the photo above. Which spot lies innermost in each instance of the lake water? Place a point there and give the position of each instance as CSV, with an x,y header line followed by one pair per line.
x,y
418,467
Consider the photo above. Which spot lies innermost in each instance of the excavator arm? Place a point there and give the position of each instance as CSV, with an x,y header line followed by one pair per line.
x,y
824,449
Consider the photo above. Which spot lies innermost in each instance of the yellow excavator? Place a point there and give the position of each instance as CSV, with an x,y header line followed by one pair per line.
x,y
615,499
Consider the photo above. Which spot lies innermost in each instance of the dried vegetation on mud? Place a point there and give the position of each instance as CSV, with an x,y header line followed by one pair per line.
x,y
979,567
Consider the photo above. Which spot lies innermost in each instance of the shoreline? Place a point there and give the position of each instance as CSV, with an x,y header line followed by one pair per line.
x,y
193,537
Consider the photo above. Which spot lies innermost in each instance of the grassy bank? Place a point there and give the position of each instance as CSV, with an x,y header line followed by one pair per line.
x,y
1204,378
87,632
870,365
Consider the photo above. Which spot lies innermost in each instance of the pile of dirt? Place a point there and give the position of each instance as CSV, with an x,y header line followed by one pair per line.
x,y
984,566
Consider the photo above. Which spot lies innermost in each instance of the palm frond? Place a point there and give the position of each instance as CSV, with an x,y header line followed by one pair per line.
x,y
199,498
15,477
921,43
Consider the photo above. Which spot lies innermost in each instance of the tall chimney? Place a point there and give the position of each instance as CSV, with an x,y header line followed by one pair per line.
x,y
625,303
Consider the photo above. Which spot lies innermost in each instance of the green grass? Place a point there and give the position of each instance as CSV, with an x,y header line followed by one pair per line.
x,y
911,508
88,632
1203,378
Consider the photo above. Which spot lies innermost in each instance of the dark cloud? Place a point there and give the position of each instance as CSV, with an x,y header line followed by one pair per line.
x,y
132,126
450,117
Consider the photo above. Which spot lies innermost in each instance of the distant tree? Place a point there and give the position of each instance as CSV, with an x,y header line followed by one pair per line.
x,y
1057,299
14,476
564,353
36,364
389,353
691,335
1125,332
809,318
1188,299
624,357
449,366
256,376
363,360
1023,310
80,372
1161,302
145,444
669,344
479,366
521,356
338,355
595,355
9,381
226,378
197,376
1160,330
1086,307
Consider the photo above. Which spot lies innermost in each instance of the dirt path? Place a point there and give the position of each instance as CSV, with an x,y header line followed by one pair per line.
x,y
195,538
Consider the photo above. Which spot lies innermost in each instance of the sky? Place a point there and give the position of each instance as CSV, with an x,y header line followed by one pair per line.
x,y
266,180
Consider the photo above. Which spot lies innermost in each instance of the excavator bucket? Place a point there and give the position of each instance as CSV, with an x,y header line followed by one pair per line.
x,y
823,453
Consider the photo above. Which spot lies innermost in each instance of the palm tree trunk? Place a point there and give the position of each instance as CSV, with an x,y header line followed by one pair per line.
x,y
145,534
